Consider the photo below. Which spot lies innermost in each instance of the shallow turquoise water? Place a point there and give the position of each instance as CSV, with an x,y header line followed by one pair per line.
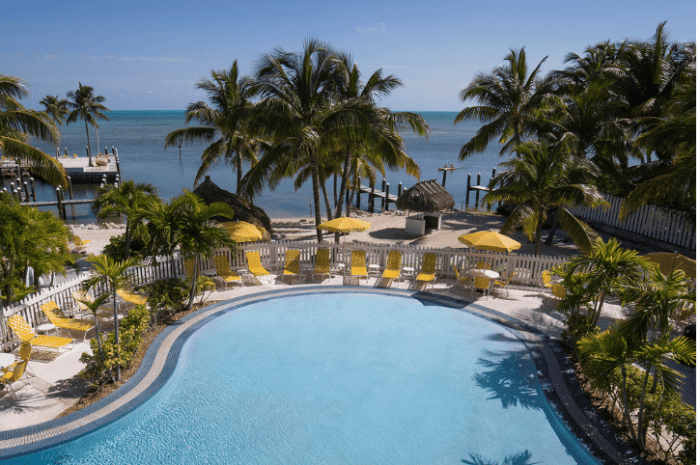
x,y
342,378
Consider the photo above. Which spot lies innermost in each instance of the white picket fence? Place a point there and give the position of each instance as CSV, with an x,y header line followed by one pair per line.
x,y
527,270
649,221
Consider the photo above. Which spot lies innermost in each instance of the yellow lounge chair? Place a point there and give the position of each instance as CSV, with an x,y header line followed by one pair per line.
x,y
482,284
358,265
464,280
393,266
132,298
546,279
80,244
82,296
25,332
323,263
255,264
59,320
505,283
291,265
14,373
427,272
224,272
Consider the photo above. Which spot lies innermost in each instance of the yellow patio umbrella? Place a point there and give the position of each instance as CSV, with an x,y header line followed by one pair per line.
x,y
344,225
242,231
489,240
669,262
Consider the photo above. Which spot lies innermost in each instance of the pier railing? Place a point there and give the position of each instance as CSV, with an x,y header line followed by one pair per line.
x,y
527,270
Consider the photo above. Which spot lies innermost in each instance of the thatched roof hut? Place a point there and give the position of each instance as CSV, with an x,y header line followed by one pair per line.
x,y
426,196
244,210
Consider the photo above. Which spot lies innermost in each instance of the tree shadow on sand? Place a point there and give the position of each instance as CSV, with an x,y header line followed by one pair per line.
x,y
511,380
523,458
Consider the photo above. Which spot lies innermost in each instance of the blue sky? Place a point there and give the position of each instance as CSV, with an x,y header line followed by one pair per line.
x,y
147,56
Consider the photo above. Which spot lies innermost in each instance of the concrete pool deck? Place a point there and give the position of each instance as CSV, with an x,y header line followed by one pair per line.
x,y
526,310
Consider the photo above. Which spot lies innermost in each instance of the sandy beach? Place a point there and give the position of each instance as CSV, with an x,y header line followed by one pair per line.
x,y
388,227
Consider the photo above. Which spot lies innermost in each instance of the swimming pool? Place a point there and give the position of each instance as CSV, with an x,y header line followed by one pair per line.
x,y
340,378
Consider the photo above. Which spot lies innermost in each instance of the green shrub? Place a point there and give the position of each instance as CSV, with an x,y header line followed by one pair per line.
x,y
117,245
131,329
166,297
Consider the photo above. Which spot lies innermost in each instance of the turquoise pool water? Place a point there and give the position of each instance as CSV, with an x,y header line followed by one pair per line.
x,y
339,379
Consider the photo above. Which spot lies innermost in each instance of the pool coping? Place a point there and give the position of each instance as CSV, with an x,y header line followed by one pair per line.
x,y
555,375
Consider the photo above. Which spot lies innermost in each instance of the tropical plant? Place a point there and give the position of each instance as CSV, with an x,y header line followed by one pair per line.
x,y
57,109
29,238
300,116
164,226
224,124
508,101
86,106
17,125
111,273
382,141
199,234
543,177
124,199
608,267
94,306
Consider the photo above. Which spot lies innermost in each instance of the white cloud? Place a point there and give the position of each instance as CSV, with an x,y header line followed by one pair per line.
x,y
380,28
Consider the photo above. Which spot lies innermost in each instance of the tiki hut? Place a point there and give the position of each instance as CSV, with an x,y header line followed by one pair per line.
x,y
244,210
426,197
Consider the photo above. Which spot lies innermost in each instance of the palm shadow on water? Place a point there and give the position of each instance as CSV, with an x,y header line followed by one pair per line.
x,y
522,458
510,380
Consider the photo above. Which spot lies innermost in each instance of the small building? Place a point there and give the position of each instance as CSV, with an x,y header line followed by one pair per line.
x,y
429,198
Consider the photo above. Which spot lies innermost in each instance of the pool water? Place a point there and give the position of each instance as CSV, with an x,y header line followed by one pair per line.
x,y
339,379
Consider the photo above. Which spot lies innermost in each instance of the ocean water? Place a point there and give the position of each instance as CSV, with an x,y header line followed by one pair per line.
x,y
139,136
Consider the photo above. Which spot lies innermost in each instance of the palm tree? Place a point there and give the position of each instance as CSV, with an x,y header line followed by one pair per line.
x,y
225,119
17,125
57,109
124,199
383,138
649,72
164,225
87,106
112,273
508,101
28,238
200,235
299,116
608,267
543,177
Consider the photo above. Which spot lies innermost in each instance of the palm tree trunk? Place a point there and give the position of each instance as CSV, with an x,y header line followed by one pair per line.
x,y
116,331
329,211
625,403
127,240
641,430
87,131
317,200
343,184
239,172
97,336
538,231
599,308
194,283
555,224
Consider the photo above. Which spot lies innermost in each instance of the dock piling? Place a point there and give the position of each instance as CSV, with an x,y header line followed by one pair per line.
x,y
25,184
478,183
469,188
31,181
386,197
70,187
384,202
58,202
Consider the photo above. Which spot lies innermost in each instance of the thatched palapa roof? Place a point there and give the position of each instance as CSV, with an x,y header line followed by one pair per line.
x,y
244,210
426,196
